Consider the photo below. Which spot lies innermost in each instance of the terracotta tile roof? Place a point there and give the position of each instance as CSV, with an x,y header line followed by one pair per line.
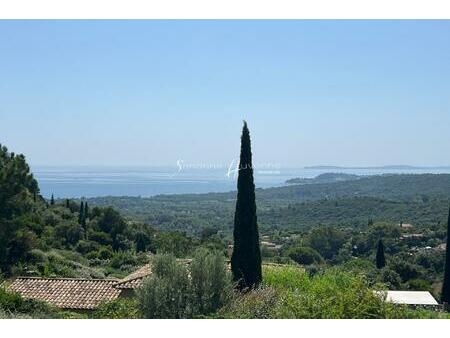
x,y
134,280
67,293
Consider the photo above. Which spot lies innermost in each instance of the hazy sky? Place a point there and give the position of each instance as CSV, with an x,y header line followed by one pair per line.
x,y
152,92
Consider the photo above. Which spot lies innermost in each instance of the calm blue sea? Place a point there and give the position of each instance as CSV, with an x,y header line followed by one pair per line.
x,y
75,182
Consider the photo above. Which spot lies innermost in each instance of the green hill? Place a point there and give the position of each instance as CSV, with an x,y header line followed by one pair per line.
x,y
420,199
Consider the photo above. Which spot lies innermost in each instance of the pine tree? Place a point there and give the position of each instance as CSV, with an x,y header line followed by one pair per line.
x,y
381,261
52,200
445,298
81,213
246,257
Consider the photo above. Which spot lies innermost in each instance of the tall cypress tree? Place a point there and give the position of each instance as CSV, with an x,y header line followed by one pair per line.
x,y
246,257
81,214
445,298
86,211
381,261
67,203
52,200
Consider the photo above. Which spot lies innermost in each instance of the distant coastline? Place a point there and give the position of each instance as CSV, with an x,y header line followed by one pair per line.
x,y
87,181
386,167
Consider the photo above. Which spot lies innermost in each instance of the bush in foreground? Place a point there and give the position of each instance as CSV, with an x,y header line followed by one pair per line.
x,y
211,286
165,293
176,291
12,305
289,292
121,308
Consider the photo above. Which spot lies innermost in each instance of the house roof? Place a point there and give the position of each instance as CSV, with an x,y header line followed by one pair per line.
x,y
410,297
134,280
67,293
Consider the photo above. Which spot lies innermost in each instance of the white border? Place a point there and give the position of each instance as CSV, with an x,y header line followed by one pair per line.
x,y
224,9
223,328
230,9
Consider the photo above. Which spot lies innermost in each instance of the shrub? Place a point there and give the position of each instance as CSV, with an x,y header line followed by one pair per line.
x,y
304,255
121,308
12,305
37,256
390,278
69,232
174,291
105,253
92,256
325,240
260,303
85,246
165,294
127,258
58,266
419,285
102,238
175,243
211,284
289,292
405,269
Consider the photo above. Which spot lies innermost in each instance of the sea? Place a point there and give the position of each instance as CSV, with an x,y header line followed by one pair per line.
x,y
98,181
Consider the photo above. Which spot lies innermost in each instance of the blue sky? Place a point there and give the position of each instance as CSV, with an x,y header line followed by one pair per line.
x,y
151,92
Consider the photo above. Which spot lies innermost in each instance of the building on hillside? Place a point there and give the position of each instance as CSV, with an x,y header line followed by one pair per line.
x,y
230,250
411,236
406,226
269,245
82,295
132,282
441,247
410,298
79,295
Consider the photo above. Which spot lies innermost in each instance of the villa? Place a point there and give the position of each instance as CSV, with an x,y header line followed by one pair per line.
x,y
78,294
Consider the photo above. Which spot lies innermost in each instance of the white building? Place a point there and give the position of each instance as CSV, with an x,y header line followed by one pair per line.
x,y
414,298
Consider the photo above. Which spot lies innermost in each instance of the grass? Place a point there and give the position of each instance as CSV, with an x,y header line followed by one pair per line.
x,y
289,292
286,292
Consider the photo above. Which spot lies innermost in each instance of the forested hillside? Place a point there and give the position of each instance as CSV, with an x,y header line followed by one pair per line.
x,y
65,238
355,212
324,178
332,230
404,187
420,199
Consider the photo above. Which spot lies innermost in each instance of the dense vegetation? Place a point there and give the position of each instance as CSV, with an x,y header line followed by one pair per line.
x,y
326,231
445,296
18,196
333,230
65,238
289,292
324,178
286,292
419,199
177,291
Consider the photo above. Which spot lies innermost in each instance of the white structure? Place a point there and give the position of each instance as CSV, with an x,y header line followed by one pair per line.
x,y
409,297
